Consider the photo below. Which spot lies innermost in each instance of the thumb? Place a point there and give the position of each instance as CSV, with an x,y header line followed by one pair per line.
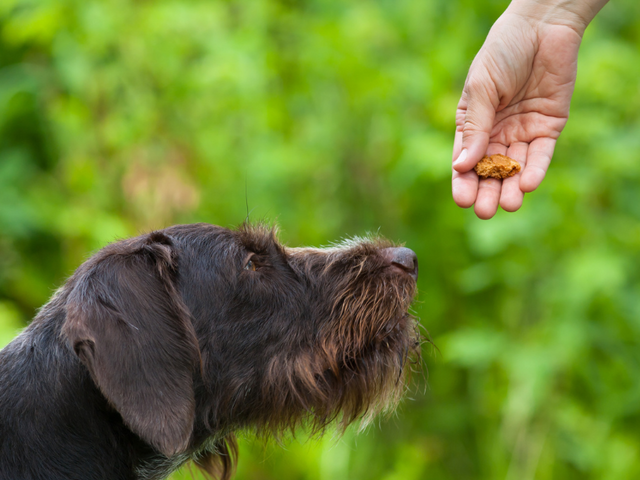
x,y
477,123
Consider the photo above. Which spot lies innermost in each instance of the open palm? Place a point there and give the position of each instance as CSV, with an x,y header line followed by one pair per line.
x,y
515,102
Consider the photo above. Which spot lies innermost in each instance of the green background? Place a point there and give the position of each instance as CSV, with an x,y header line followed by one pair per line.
x,y
336,118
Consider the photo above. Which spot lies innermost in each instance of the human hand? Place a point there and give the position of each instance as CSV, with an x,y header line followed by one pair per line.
x,y
515,102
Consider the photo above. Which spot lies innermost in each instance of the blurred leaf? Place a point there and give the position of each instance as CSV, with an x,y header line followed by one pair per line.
x,y
334,119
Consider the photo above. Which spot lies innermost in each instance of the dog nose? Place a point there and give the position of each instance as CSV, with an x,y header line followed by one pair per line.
x,y
404,258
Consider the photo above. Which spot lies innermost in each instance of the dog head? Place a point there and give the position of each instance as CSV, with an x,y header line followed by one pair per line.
x,y
196,331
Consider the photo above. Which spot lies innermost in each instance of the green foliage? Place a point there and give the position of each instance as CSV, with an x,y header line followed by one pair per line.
x,y
336,118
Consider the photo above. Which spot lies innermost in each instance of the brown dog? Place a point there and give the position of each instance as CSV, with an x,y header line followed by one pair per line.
x,y
159,347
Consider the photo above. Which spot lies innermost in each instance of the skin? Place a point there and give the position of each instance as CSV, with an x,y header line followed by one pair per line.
x,y
516,99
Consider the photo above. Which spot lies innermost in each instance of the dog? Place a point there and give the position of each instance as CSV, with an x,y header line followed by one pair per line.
x,y
158,348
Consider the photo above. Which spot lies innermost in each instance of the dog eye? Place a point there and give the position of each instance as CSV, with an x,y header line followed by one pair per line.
x,y
250,266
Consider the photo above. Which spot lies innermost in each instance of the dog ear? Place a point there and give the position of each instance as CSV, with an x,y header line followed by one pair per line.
x,y
131,329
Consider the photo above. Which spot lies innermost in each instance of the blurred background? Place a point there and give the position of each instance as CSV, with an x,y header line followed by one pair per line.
x,y
331,119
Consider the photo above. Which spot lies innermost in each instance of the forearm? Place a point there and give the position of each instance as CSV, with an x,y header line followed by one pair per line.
x,y
576,14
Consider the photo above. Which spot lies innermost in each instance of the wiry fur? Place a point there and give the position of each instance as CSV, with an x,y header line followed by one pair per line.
x,y
166,344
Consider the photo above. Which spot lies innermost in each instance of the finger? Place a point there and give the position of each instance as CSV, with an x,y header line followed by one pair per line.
x,y
489,189
538,160
477,122
457,143
511,196
464,186
488,197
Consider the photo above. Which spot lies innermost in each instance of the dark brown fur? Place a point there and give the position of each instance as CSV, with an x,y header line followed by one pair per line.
x,y
160,347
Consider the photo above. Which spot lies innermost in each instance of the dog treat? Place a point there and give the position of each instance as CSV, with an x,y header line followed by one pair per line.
x,y
497,166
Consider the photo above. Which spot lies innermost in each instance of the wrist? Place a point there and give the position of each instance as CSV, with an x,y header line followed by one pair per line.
x,y
576,14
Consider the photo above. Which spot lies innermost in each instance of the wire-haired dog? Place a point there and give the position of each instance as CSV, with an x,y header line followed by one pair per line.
x,y
159,347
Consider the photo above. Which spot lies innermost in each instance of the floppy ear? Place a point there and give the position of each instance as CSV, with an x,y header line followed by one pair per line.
x,y
130,328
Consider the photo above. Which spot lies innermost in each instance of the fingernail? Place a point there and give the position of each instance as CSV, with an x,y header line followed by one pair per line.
x,y
462,157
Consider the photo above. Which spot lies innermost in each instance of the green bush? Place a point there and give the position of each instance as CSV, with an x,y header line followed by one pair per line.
x,y
333,119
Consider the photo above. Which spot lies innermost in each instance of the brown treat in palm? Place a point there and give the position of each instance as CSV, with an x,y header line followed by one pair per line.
x,y
497,166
